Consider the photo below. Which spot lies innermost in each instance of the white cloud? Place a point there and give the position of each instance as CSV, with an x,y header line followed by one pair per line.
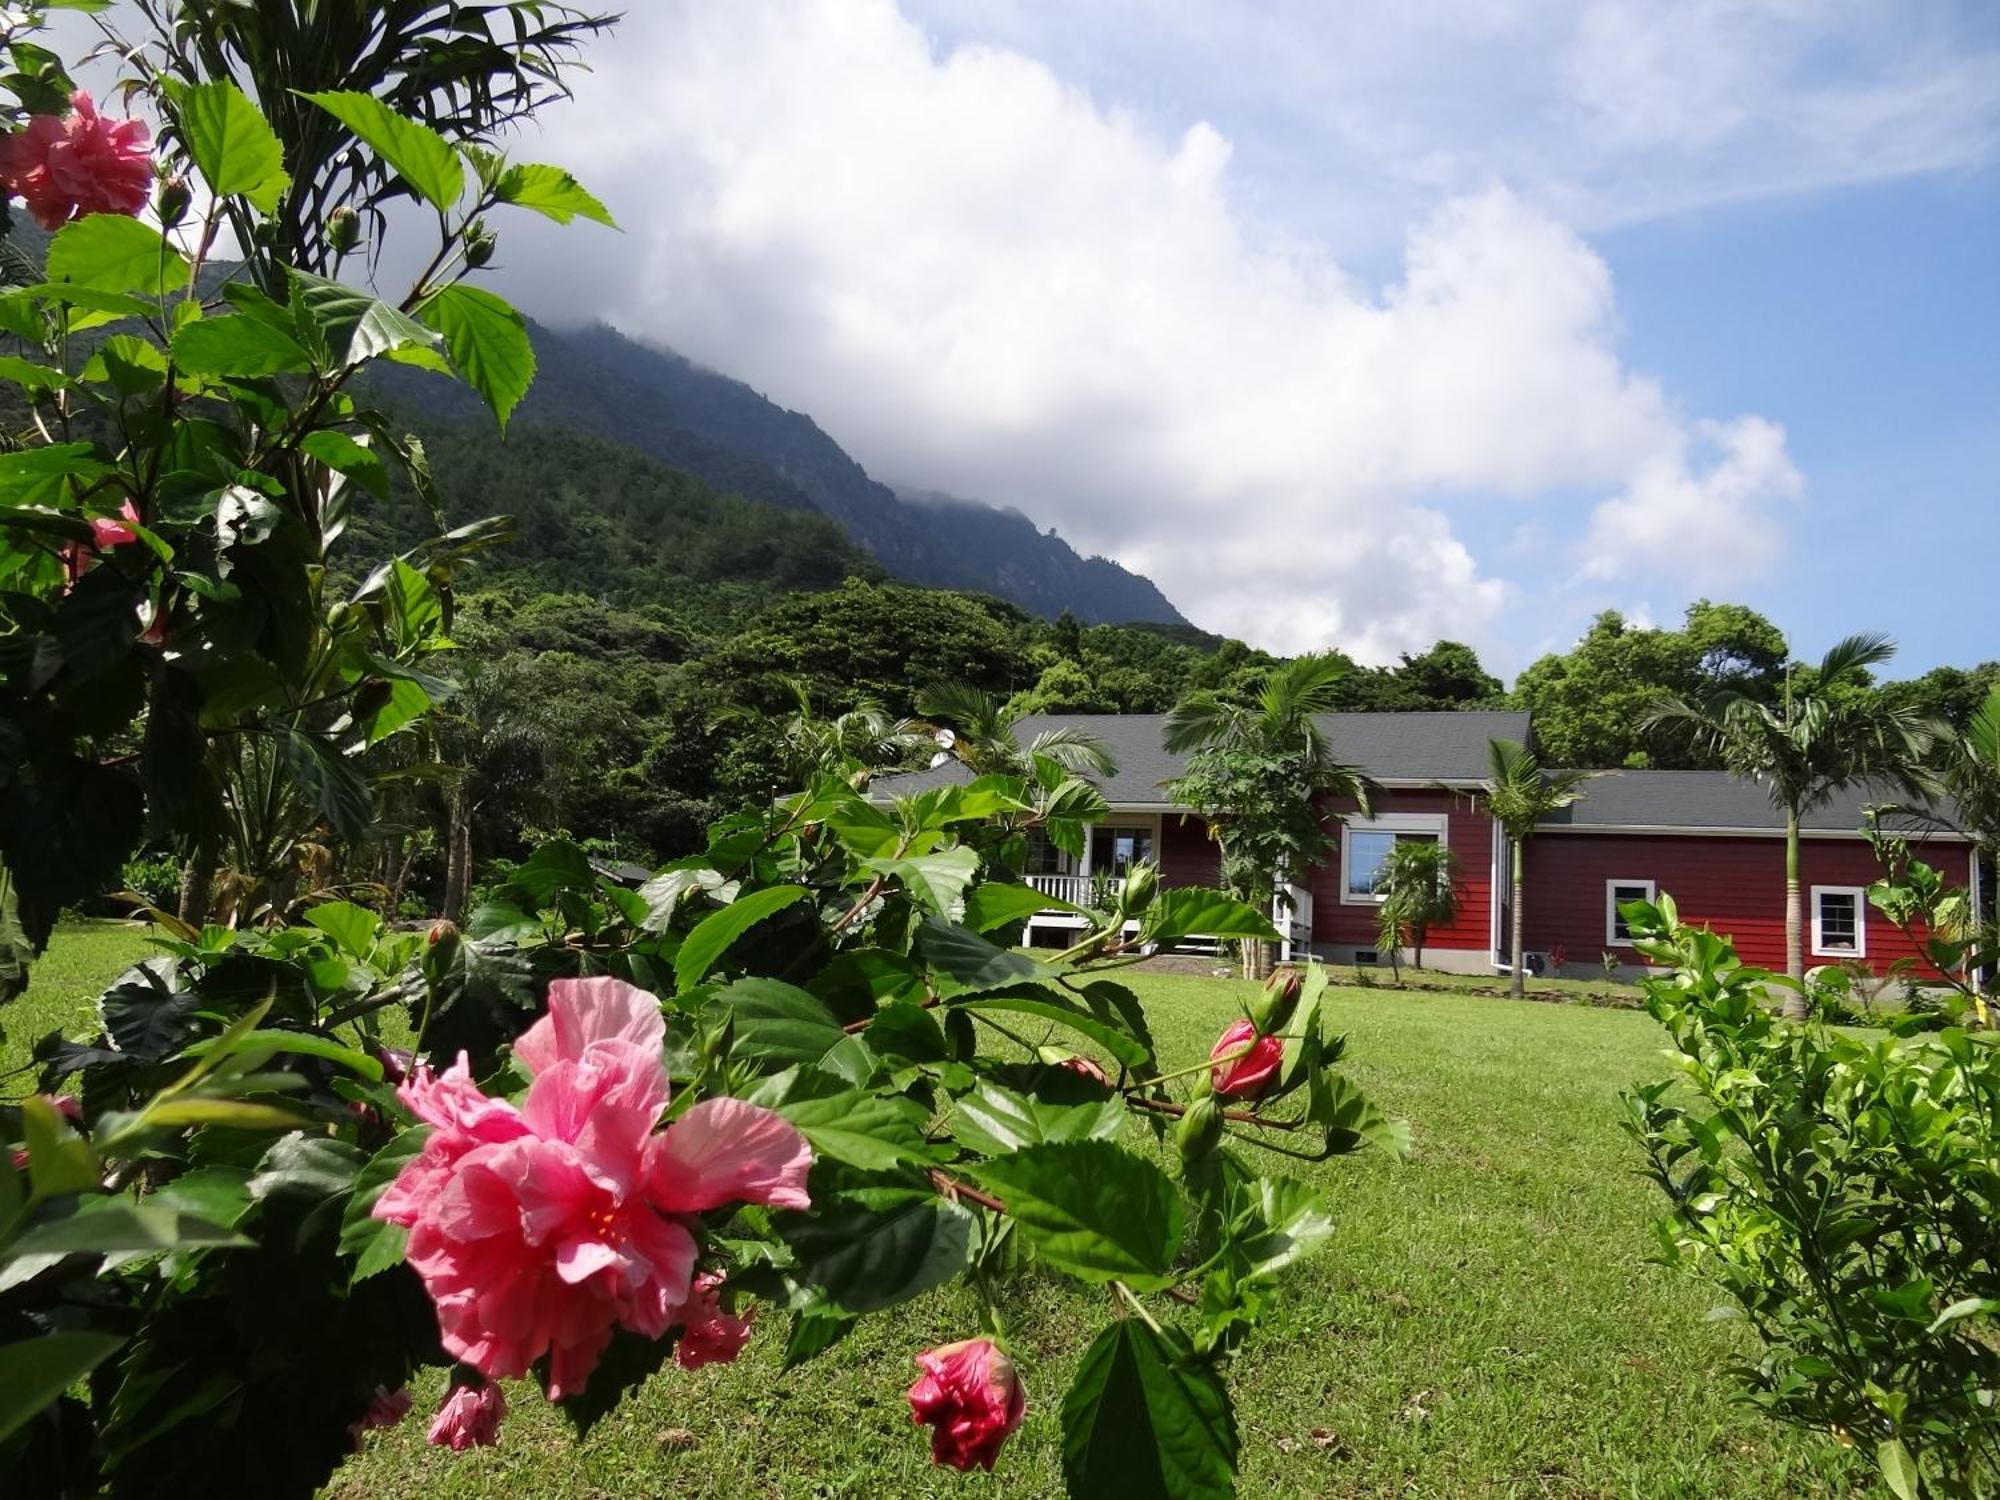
x,y
980,280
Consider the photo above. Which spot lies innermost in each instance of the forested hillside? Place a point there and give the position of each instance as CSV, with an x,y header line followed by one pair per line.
x,y
596,380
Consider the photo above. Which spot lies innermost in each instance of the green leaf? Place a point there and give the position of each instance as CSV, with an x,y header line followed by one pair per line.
x,y
344,326
1350,1119
1196,911
237,1114
874,1132
302,1044
122,1228
230,141
1899,1470
907,1031
35,1372
60,1161
1045,1006
1144,1421
423,158
970,963
551,191
488,343
1091,1209
309,1165
113,253
714,933
865,1256
238,346
1278,1221
778,1024
31,376
353,929
374,1245
37,476
344,455
996,904
996,1120
1965,1307
936,881
329,781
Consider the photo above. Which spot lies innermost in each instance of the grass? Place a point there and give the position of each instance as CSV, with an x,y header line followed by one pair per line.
x,y
83,959
1484,1325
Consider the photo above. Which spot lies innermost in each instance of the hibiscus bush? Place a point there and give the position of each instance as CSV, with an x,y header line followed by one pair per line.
x,y
1840,1188
800,1079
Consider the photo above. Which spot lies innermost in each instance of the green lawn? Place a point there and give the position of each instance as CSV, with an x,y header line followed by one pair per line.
x,y
82,960
1485,1323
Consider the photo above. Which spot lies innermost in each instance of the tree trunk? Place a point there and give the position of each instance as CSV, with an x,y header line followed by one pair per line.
x,y
1519,980
1796,1008
197,885
458,855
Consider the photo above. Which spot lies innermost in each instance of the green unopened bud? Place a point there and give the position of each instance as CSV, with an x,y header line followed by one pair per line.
x,y
1274,1007
343,230
479,244
1141,881
174,200
1200,1130
440,948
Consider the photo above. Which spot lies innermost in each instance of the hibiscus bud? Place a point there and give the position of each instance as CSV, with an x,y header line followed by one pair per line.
x,y
372,697
1246,1062
440,949
396,1063
1274,1007
1141,881
343,230
479,244
469,1418
1199,1130
173,201
1087,1067
973,1400
442,931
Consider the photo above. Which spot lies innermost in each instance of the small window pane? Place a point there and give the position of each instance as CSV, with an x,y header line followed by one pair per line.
x,y
1113,851
1620,894
1367,854
1839,923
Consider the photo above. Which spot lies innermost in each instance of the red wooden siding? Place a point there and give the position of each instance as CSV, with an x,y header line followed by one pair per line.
x,y
1468,832
1187,855
1735,885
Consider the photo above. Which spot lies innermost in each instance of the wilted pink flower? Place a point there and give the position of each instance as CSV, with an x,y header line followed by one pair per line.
x,y
973,1400
469,1418
66,1105
538,1230
387,1409
1089,1067
710,1336
1248,1075
65,167
106,532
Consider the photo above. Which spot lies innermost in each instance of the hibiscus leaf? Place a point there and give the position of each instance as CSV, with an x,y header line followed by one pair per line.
x,y
864,1257
487,339
376,1246
777,1024
628,1362
715,932
1092,1209
230,141
1143,1419
35,1372
422,158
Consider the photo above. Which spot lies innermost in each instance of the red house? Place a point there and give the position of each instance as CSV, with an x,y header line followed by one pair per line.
x,y
1712,841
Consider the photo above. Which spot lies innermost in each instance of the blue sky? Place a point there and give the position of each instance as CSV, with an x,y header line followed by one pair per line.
x,y
1356,324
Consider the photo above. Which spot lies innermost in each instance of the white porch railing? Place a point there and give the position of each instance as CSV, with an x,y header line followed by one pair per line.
x,y
1075,889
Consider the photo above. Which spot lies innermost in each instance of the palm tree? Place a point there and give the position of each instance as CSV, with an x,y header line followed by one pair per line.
x,y
853,745
1970,765
1419,884
1258,771
978,730
1818,738
1519,794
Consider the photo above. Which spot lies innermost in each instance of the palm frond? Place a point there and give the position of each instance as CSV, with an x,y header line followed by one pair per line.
x,y
1854,654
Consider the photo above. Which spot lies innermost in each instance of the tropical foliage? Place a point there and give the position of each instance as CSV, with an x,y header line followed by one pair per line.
x,y
1838,1187
1518,795
1418,884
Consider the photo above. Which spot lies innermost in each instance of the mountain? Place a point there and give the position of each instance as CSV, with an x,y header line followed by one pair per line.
x,y
597,380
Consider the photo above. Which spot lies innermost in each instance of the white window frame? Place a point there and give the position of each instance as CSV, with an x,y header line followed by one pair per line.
x,y
1611,890
1860,948
1437,823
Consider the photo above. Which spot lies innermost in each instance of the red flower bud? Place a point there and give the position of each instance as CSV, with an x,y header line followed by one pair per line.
x,y
1245,1074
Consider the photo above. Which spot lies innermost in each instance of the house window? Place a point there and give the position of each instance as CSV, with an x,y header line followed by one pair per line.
x,y
1365,846
1616,894
1043,857
1114,850
1839,921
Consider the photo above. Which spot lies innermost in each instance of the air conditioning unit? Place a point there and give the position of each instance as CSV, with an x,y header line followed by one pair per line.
x,y
1366,956
1535,963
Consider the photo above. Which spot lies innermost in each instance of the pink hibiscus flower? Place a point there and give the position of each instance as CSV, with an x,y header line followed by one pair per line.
x,y
539,1230
65,167
973,1399
710,1336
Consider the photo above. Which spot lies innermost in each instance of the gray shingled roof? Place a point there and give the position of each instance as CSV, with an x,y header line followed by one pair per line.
x,y
1390,747
1710,799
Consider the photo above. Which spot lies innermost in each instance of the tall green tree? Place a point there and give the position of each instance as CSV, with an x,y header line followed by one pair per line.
x,y
1519,794
1969,762
1419,887
1817,738
977,729
1258,771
